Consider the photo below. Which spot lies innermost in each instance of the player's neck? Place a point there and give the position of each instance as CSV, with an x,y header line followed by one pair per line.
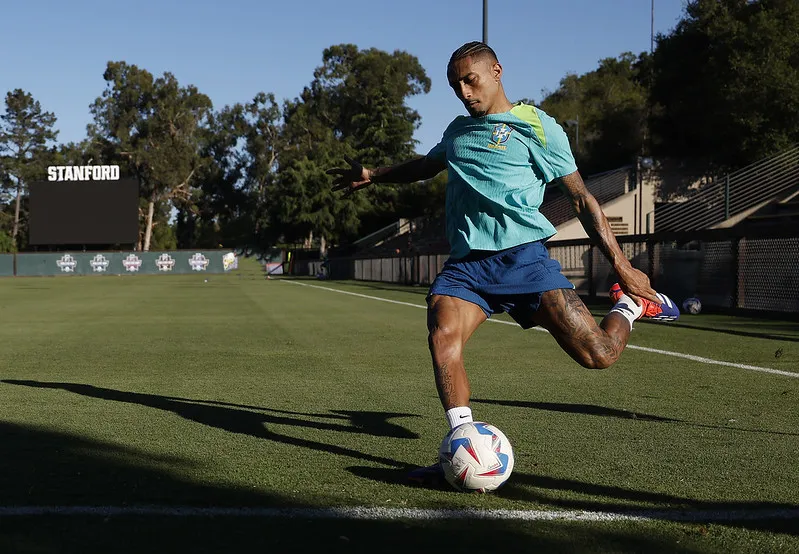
x,y
501,106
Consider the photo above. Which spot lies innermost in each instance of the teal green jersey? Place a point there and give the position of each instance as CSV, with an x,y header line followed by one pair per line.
x,y
498,167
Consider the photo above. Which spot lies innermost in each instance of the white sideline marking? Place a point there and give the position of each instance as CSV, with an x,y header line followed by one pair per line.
x,y
418,514
630,346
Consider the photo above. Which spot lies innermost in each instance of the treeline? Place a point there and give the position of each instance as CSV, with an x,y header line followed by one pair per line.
x,y
720,91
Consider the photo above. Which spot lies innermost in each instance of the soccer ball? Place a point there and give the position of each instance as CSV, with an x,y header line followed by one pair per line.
x,y
476,457
691,306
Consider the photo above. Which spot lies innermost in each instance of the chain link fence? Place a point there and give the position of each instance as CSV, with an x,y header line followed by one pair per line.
x,y
725,269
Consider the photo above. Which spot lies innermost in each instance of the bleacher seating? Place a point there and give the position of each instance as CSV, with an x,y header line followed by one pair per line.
x,y
429,236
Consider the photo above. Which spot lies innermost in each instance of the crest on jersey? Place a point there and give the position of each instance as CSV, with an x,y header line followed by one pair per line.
x,y
499,136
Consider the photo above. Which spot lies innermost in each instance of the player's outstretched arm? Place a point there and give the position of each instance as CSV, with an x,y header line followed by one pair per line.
x,y
634,282
357,176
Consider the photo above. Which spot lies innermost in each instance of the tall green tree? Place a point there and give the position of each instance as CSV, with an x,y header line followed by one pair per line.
x,y
300,202
355,105
25,132
157,126
243,146
604,112
726,82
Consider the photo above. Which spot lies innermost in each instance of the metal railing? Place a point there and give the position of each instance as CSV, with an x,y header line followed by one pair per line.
x,y
732,194
728,269
604,186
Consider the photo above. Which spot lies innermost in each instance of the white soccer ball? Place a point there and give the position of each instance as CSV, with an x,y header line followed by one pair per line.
x,y
476,457
691,306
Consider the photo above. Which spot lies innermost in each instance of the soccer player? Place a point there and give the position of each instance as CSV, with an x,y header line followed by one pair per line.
x,y
499,160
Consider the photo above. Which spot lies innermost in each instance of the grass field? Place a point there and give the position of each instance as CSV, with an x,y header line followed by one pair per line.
x,y
170,414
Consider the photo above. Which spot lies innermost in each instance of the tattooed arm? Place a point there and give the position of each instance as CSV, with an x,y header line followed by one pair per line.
x,y
632,281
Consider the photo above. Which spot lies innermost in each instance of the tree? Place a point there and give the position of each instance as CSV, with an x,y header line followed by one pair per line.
x,y
607,109
25,131
243,146
355,105
157,126
726,82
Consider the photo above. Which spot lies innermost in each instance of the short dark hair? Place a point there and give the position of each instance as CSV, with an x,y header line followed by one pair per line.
x,y
475,49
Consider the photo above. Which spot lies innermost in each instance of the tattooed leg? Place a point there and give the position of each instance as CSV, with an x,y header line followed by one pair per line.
x,y
450,322
564,315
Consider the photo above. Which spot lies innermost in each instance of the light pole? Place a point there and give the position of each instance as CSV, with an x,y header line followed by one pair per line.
x,y
485,21
576,124
652,29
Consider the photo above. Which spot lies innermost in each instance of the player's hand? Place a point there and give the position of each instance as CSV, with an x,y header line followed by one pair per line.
x,y
635,284
352,178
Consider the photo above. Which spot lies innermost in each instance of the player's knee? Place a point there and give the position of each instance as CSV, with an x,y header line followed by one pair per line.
x,y
444,342
596,355
597,362
598,358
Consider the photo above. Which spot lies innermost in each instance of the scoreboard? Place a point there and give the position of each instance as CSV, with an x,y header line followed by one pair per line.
x,y
72,207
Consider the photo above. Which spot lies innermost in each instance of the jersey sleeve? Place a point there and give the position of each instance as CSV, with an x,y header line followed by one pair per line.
x,y
439,151
556,159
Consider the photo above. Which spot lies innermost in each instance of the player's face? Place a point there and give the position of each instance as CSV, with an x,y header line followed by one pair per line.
x,y
476,83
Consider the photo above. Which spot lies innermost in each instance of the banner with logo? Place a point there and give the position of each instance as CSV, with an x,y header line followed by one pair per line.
x,y
125,263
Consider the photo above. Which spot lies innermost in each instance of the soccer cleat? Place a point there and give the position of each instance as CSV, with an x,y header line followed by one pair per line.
x,y
430,476
666,311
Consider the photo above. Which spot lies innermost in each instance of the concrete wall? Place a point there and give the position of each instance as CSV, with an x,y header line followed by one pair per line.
x,y
632,209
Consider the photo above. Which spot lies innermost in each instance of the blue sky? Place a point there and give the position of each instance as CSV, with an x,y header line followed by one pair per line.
x,y
233,49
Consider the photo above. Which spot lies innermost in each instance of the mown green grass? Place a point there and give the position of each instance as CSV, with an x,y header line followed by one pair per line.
x,y
238,391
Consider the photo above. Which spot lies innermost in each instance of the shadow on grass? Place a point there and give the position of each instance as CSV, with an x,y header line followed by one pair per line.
x,y
419,290
539,489
777,517
602,411
586,409
42,467
45,468
785,331
771,331
250,420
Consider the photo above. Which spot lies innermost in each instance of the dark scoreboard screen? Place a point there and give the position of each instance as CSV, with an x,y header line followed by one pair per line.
x,y
84,212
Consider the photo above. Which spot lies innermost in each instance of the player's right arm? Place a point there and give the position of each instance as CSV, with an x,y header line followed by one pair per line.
x,y
357,176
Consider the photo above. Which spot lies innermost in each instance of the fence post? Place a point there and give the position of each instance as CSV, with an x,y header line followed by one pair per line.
x,y
727,197
591,283
736,271
650,249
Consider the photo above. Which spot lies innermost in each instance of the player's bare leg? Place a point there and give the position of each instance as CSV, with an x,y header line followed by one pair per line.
x,y
450,322
566,317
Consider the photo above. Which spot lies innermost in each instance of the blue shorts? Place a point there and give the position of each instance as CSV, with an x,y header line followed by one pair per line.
x,y
510,280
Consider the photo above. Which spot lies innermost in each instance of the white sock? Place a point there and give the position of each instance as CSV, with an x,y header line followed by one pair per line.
x,y
627,307
456,416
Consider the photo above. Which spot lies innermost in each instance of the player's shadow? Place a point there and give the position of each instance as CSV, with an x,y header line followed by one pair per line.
x,y
255,421
779,331
85,487
586,409
602,411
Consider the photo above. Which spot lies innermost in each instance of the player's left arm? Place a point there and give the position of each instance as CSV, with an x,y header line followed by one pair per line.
x,y
632,281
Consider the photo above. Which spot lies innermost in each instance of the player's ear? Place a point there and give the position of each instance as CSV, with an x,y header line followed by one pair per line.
x,y
497,71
